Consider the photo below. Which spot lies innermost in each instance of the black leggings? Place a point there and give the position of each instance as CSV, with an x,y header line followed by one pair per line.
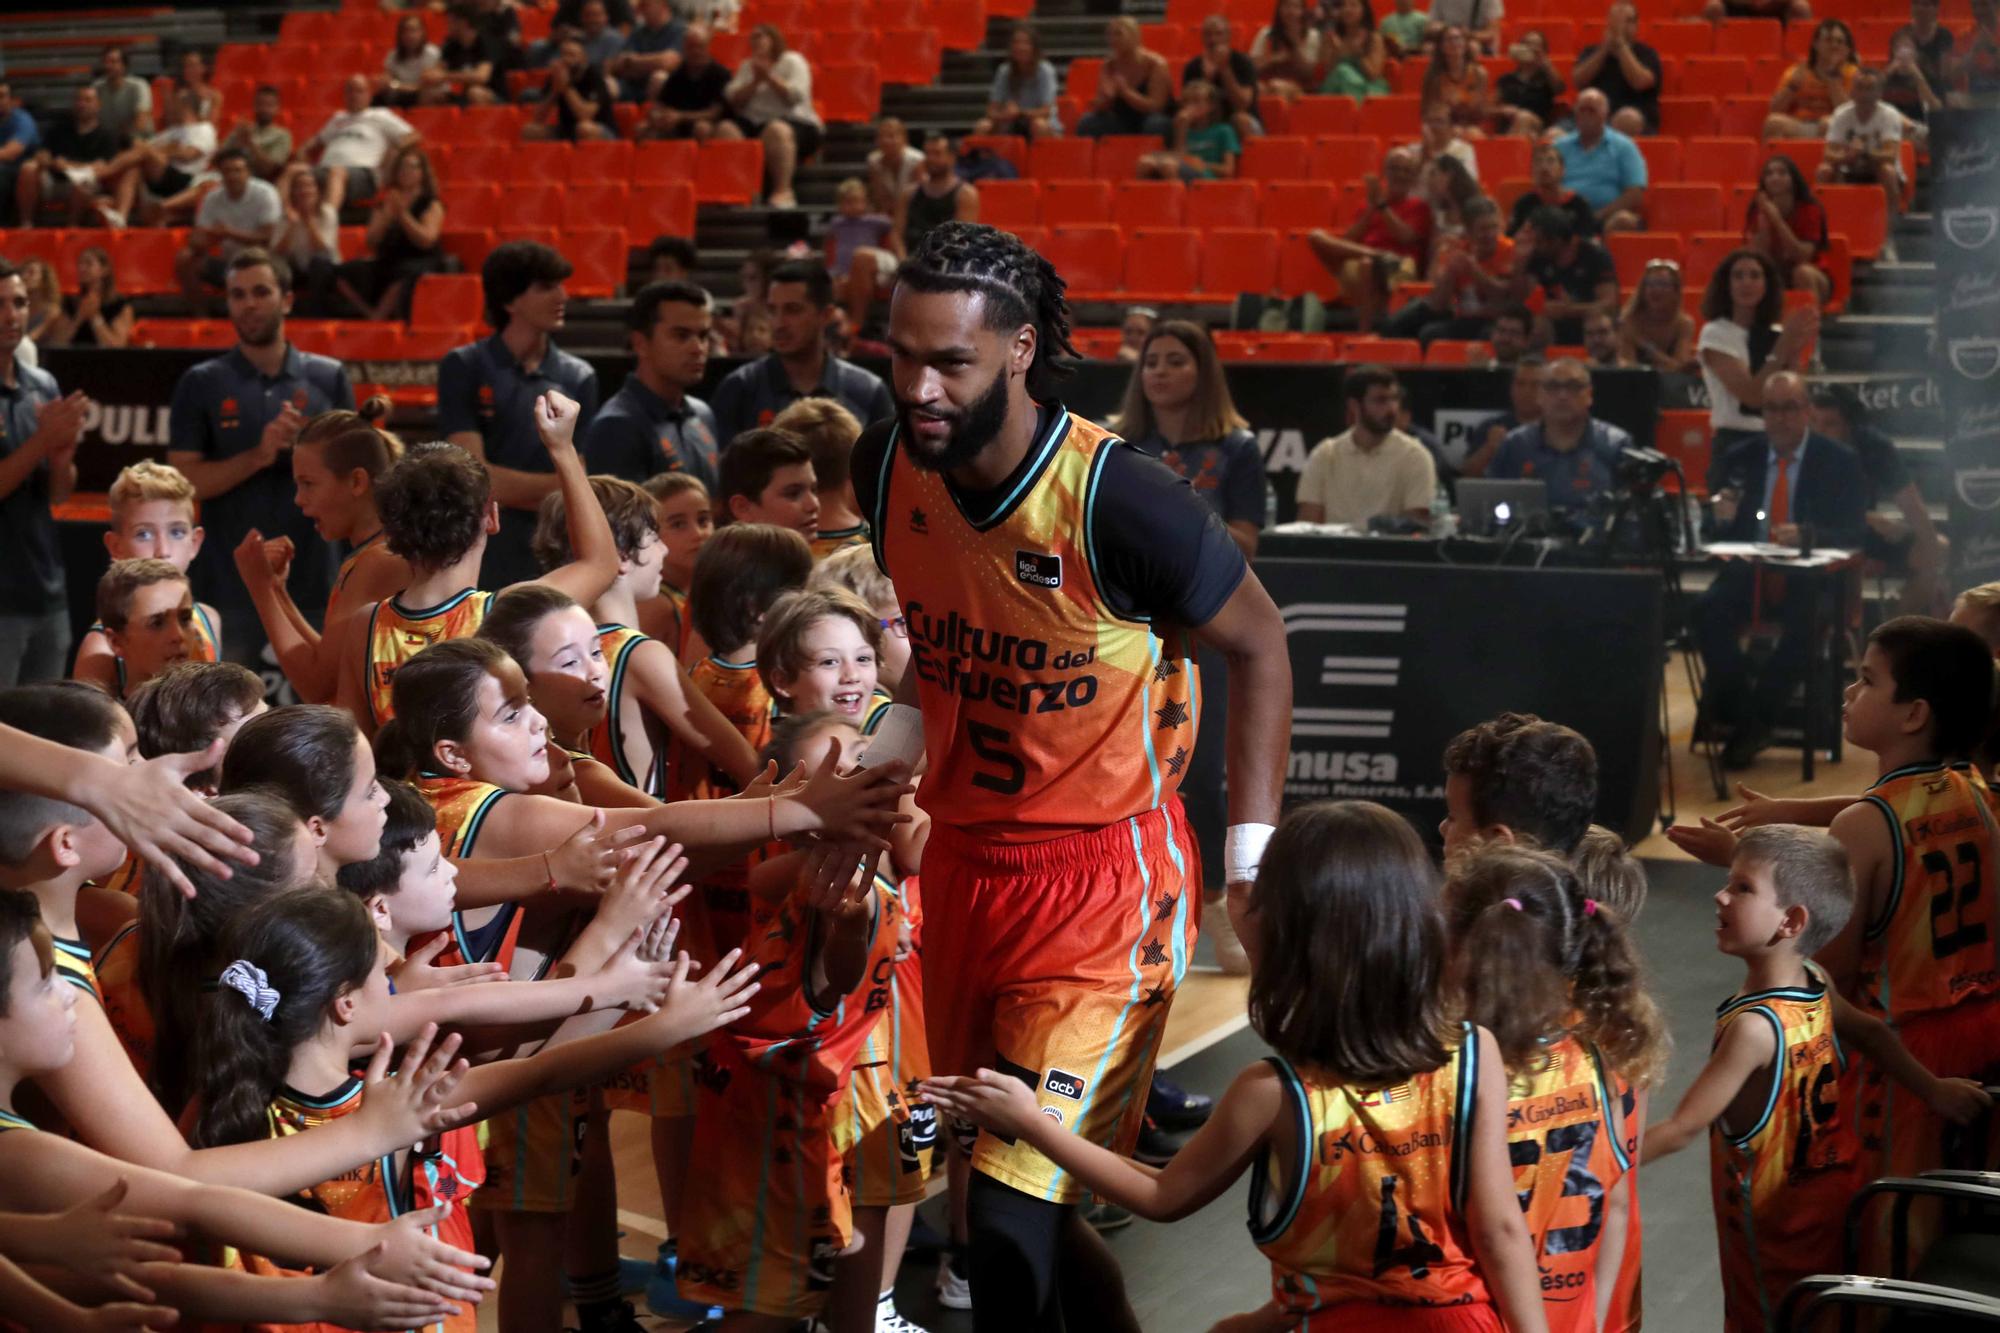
x,y
1037,1265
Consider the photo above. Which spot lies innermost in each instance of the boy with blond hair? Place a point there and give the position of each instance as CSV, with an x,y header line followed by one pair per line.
x,y
829,431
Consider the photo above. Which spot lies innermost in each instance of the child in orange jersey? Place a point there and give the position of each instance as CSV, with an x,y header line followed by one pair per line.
x,y
437,513
1366,1055
152,518
828,431
647,694
766,476
147,611
681,506
1781,1166
335,461
1550,972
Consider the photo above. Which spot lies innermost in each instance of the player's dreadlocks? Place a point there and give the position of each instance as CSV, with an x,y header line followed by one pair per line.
x,y
1019,285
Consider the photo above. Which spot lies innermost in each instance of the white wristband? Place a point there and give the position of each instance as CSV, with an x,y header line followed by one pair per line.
x,y
1243,851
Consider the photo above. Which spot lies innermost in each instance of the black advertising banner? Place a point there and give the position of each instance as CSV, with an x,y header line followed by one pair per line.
x,y
130,392
1965,206
1374,704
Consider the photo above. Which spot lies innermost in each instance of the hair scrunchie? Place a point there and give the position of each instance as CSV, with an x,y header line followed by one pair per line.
x,y
248,980
1590,907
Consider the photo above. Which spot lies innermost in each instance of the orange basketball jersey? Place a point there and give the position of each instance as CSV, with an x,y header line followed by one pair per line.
x,y
737,691
1374,1212
1046,712
828,540
1781,1186
125,1004
396,634
348,565
462,805
606,741
1931,946
1567,1147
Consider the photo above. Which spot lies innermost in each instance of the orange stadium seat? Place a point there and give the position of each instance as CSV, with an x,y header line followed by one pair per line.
x,y
1299,270
1663,159
839,46
1235,260
1686,117
1742,116
1189,12
848,93
438,124
599,254
1384,351
1118,155
1275,157
1705,250
1096,344
368,340
1080,79
471,205
549,236
1011,147
1451,352
1032,237
1859,213
1507,190
598,204
1678,37
884,14
480,162
1716,76
663,162
527,205
1212,204
1683,208
43,243
143,258
729,172
1504,157
1296,205
541,161
492,124
1808,153
1323,115
1137,204
1061,159
1396,116
1750,37
1010,204
960,26
312,335
1075,202
468,245
663,209
911,56
1163,263
1726,161
446,301
1275,115
1631,251
601,160
1344,157
1090,256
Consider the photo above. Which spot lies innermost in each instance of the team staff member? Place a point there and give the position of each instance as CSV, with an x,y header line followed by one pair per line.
x,y
487,392
653,424
1060,876
39,429
233,418
800,297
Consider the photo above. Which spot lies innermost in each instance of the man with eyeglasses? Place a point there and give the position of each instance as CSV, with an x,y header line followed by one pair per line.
x,y
1766,489
1574,453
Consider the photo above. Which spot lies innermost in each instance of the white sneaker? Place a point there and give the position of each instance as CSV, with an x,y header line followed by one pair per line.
x,y
112,217
954,1292
887,1320
1221,931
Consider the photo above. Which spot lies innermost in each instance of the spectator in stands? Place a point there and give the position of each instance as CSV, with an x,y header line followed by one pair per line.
x,y
39,429
403,239
308,239
1524,407
64,170
1655,329
1791,11
1022,99
1786,224
671,259
1449,189
1177,407
1232,73
651,53
863,248
754,275
125,104
1134,329
1404,30
1976,74
799,365
1604,166
266,142
1527,93
243,213
1600,340
1134,88
1626,71
19,137
1864,143
1743,344
574,13
654,423
1545,169
487,391
354,146
1765,488
1905,542
770,98
1441,138
44,288
691,101
1357,58
1812,88
1389,242
1575,275
97,316
472,63
1203,144
1372,470
231,425
893,166
173,165
602,42
941,196
412,64
497,18
193,77
1930,42
1573,452
578,100
1457,80
1906,87
1478,19
1286,52
1470,282
1512,337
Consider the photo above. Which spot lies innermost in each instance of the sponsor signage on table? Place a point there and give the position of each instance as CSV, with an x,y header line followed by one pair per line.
x,y
1965,154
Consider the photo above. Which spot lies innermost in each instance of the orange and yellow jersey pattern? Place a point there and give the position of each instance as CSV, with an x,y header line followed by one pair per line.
x,y
117,965
1932,944
1374,1211
1568,1149
128,878
462,805
828,540
361,549
878,704
679,629
446,1169
607,740
397,633
1046,712
1781,1185
72,960
203,650
737,691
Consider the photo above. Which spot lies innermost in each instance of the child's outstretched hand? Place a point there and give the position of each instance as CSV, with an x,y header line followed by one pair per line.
x,y
417,1103
556,416
764,784
123,1317
588,859
1707,841
632,980
994,1101
358,1296
148,807
838,880
657,946
860,806
644,890
695,1008
416,972
95,1240
1960,1100
415,1258
1757,809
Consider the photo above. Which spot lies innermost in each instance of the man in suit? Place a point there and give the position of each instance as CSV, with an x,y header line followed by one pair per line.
x,y
1765,489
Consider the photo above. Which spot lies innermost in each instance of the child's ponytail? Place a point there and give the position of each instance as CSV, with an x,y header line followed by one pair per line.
x,y
1512,921
289,958
1609,984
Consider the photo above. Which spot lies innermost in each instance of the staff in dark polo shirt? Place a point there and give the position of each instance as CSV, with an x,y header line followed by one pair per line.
x,y
799,366
39,429
487,392
234,417
653,424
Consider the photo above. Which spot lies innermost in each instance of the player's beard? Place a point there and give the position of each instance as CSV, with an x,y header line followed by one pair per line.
x,y
972,429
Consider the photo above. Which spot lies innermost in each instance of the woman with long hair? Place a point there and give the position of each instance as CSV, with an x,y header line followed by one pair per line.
x,y
770,98
1023,97
1357,54
1786,224
45,300
1456,78
1742,343
409,66
1653,328
309,240
1177,404
1811,89
1288,52
404,236
97,316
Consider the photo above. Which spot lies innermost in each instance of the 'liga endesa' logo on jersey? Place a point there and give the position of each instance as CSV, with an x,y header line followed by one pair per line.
x,y
954,654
